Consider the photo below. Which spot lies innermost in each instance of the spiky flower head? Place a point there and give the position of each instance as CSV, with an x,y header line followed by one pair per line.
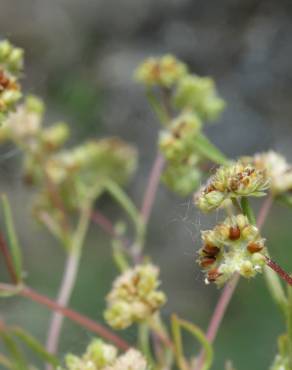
x,y
234,246
131,360
164,71
199,95
231,181
276,168
134,296
97,356
177,142
11,64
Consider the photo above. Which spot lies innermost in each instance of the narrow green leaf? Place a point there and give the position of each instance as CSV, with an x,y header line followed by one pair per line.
x,y
35,346
17,358
247,210
276,289
198,334
209,150
12,238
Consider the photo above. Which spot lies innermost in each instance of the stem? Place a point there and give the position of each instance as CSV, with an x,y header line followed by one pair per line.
x,y
289,322
229,289
278,269
68,280
151,188
8,260
82,320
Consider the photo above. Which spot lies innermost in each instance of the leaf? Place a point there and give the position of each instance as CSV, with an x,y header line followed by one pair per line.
x,y
177,323
209,150
35,346
12,238
17,358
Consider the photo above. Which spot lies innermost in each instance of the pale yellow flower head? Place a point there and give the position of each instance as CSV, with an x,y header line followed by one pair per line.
x,y
164,71
231,181
134,296
234,246
277,169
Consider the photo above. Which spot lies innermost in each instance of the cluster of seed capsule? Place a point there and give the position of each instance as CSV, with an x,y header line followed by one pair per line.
x,y
232,181
234,246
11,64
134,297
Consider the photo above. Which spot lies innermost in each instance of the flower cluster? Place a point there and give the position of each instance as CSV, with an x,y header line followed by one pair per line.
x,y
102,356
232,246
11,64
71,173
194,100
199,94
277,169
231,181
164,71
176,143
134,296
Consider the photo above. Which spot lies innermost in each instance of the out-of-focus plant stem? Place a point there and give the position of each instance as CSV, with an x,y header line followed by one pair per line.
x,y
82,320
69,279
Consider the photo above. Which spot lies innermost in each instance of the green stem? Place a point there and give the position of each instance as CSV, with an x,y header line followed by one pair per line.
x,y
247,210
144,344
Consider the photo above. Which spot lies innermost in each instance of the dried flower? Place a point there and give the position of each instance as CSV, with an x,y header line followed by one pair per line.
x,y
232,246
199,94
134,296
164,71
276,168
231,181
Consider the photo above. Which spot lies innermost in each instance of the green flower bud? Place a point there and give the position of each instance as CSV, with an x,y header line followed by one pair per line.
x,y
134,296
177,142
199,94
55,136
164,71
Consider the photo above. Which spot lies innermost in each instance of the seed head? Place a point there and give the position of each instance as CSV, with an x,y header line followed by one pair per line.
x,y
164,71
134,296
199,95
277,170
231,181
232,246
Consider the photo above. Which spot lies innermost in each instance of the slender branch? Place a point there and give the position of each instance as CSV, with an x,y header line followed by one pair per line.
x,y
80,319
68,280
264,211
152,187
8,260
229,289
278,269
100,219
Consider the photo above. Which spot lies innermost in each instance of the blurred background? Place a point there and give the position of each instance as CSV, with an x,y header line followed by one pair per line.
x,y
80,55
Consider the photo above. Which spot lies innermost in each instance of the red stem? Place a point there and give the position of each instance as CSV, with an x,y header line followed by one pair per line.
x,y
283,274
8,260
71,314
152,187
